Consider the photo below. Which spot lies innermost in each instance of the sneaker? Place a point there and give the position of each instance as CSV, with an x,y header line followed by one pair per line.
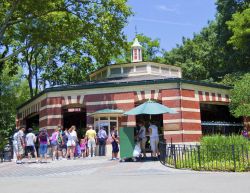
x,y
94,155
117,158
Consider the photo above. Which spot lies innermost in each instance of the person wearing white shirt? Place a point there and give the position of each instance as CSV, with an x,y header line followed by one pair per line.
x,y
154,139
30,139
142,137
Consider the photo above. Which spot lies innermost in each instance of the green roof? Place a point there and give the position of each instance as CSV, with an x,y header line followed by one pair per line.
x,y
108,111
92,85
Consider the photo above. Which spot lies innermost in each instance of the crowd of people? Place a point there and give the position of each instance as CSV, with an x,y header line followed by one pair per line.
x,y
64,143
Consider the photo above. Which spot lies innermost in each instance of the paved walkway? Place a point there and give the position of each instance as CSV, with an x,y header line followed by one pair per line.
x,y
102,175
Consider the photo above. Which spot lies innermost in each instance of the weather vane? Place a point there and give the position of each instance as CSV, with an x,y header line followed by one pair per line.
x,y
135,31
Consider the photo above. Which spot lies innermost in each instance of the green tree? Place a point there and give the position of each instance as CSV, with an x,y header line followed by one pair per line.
x,y
72,34
198,57
13,92
240,27
240,97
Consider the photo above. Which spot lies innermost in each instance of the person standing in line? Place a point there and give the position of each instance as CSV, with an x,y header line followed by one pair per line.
x,y
15,147
20,144
43,139
64,144
30,144
83,147
115,144
91,137
60,142
75,138
102,137
154,138
142,138
53,142
70,143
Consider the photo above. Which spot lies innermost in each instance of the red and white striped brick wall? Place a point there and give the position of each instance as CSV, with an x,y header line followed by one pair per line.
x,y
185,126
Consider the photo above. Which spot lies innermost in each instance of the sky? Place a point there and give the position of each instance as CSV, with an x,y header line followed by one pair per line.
x,y
169,20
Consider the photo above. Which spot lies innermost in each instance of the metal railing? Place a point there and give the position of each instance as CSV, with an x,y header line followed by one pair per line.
x,y
204,157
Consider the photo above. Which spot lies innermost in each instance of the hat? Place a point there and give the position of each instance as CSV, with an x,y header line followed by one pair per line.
x,y
30,129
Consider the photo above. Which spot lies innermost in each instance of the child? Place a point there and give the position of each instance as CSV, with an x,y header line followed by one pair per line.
x,y
83,145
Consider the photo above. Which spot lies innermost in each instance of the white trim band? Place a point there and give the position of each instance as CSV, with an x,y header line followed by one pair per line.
x,y
179,98
50,117
187,109
128,123
190,132
110,102
182,121
50,106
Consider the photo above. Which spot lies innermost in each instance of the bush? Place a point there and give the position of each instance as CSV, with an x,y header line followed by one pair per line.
x,y
218,141
216,153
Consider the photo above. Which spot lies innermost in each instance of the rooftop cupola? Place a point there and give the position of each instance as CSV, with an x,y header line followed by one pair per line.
x,y
136,51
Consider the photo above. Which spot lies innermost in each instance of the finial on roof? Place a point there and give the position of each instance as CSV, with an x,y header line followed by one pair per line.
x,y
136,54
136,43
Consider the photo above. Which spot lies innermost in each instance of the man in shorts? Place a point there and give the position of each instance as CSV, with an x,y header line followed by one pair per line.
x,y
30,144
91,136
20,145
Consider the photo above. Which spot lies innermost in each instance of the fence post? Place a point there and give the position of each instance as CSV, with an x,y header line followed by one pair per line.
x,y
174,152
233,155
199,157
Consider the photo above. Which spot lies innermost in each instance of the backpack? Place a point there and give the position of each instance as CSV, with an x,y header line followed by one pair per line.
x,y
43,136
59,138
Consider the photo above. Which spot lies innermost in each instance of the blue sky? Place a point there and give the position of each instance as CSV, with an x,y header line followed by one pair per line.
x,y
169,20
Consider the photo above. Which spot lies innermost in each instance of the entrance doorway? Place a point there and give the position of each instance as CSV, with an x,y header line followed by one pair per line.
x,y
33,122
216,119
77,117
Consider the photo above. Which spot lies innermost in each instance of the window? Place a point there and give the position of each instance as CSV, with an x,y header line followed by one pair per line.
x,y
141,68
106,122
165,71
115,71
174,72
127,70
104,74
155,69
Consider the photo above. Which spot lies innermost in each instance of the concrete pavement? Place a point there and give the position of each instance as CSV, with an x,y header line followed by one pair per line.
x,y
101,175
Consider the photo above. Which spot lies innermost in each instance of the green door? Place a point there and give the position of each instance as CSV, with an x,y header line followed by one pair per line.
x,y
127,142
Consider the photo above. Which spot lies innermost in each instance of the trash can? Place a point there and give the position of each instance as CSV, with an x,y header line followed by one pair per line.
x,y
127,142
7,153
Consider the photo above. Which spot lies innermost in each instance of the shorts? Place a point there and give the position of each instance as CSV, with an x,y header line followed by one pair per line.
x,y
53,143
115,147
71,143
60,147
43,149
154,141
91,143
30,149
20,149
15,148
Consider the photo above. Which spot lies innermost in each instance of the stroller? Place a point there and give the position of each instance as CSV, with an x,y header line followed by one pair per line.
x,y
137,150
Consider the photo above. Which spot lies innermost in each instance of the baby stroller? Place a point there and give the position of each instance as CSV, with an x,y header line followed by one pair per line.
x,y
137,150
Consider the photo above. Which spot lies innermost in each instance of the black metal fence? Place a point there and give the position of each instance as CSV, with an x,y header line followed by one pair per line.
x,y
208,158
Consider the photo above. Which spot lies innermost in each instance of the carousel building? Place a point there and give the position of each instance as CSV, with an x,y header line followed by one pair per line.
x,y
202,108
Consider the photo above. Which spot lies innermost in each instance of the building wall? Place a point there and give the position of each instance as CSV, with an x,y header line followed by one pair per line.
x,y
185,126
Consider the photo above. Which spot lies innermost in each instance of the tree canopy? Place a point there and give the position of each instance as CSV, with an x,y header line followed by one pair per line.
x,y
240,97
240,27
